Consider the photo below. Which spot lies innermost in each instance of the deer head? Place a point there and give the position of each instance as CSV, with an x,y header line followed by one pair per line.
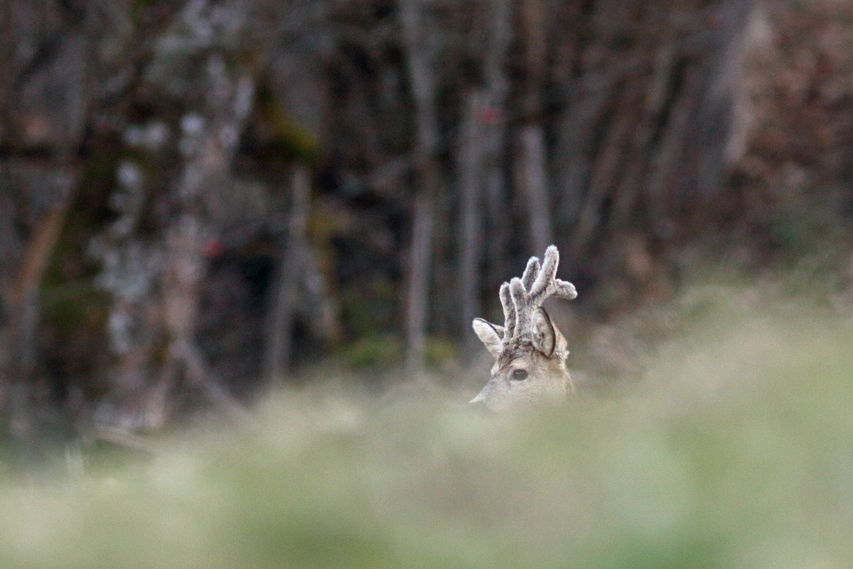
x,y
530,353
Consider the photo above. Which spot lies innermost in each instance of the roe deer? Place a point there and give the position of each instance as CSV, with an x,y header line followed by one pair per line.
x,y
530,352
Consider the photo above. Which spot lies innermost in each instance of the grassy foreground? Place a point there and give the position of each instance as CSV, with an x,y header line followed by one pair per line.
x,y
735,451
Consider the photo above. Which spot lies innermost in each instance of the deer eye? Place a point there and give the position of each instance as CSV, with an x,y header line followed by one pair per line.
x,y
519,375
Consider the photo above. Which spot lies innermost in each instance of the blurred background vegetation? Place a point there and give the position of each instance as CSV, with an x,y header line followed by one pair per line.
x,y
204,199
242,242
733,451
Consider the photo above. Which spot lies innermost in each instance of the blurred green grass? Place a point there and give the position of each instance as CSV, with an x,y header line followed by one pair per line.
x,y
735,449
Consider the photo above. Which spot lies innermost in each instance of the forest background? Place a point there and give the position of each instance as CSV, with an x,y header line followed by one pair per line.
x,y
200,198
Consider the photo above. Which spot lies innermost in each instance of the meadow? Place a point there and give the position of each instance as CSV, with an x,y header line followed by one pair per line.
x,y
733,450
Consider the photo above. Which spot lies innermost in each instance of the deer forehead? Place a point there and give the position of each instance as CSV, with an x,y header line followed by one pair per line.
x,y
522,355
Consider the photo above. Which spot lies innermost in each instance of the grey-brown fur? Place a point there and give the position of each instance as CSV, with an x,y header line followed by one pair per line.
x,y
530,352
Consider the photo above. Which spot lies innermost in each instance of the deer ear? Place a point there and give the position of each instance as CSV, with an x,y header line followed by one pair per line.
x,y
544,333
489,334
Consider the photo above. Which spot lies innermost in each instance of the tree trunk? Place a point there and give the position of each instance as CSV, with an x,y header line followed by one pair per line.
x,y
279,337
534,185
493,116
471,226
418,285
421,69
532,162
21,307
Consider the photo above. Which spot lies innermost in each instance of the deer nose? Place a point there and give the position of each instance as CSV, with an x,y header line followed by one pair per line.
x,y
483,399
478,405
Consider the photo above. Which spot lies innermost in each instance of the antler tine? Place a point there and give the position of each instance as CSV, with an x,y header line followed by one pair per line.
x,y
547,274
521,302
547,284
564,289
509,311
531,271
